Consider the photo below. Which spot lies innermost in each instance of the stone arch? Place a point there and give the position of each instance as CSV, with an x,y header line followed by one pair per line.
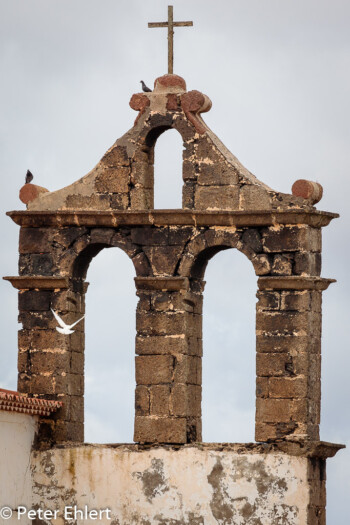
x,y
209,242
142,166
76,259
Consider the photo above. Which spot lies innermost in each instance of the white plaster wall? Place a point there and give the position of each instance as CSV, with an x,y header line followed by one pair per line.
x,y
163,486
16,439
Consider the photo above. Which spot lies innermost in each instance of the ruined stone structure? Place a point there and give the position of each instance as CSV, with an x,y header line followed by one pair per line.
x,y
279,480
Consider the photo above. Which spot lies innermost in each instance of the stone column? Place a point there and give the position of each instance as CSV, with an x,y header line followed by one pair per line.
x,y
50,364
168,362
288,384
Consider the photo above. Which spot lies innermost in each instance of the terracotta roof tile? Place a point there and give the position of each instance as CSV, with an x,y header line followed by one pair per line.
x,y
13,401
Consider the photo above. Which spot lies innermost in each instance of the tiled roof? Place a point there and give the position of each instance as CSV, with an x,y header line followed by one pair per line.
x,y
15,402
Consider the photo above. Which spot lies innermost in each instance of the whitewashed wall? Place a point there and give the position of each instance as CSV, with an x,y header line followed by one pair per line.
x,y
162,486
16,438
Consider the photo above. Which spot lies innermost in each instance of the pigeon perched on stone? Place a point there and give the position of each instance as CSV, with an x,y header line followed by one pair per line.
x,y
29,177
145,88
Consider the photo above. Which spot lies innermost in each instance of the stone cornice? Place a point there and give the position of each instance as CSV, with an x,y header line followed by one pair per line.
x,y
179,217
294,282
25,282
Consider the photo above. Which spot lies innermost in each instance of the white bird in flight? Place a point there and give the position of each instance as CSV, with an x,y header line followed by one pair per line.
x,y
65,328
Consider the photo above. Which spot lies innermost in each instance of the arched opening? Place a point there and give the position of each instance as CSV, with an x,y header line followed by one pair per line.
x,y
109,348
168,171
228,401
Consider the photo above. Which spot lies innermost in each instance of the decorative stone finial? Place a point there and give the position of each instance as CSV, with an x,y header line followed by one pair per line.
x,y
169,84
308,190
29,192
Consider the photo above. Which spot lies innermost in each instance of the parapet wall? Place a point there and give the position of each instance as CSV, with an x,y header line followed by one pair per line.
x,y
201,484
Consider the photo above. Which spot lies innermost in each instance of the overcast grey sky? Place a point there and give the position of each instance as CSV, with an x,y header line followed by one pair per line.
x,y
278,74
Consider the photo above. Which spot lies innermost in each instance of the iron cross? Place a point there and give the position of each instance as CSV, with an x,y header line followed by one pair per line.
x,y
170,24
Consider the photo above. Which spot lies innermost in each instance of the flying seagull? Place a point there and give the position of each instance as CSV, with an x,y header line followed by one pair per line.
x,y
145,88
65,328
29,177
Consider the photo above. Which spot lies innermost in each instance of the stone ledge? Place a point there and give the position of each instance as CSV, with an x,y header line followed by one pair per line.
x,y
25,282
177,217
309,449
170,284
294,282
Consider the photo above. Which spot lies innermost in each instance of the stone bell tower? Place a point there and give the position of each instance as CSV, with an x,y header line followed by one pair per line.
x,y
168,475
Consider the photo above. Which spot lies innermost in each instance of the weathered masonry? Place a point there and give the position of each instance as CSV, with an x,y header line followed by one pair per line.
x,y
224,206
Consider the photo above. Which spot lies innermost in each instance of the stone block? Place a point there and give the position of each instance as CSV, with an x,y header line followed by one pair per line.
x,y
69,431
296,301
180,235
262,387
149,236
154,369
96,201
205,150
160,397
252,238
163,259
67,301
265,432
288,387
189,170
48,339
161,323
271,364
113,180
101,235
283,343
171,345
142,401
142,175
186,400
262,264
141,198
34,300
166,302
141,265
144,302
307,264
291,238
77,341
160,430
188,193
54,362
284,323
119,201
281,265
35,240
76,408
67,236
268,300
254,198
274,410
188,369
186,130
116,156
36,264
216,175
217,198
75,385
36,320
77,363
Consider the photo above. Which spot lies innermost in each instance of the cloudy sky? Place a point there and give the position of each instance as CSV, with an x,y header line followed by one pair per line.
x,y
278,74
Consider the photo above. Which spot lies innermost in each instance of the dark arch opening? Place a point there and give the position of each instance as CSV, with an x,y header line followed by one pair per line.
x,y
229,370
109,346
